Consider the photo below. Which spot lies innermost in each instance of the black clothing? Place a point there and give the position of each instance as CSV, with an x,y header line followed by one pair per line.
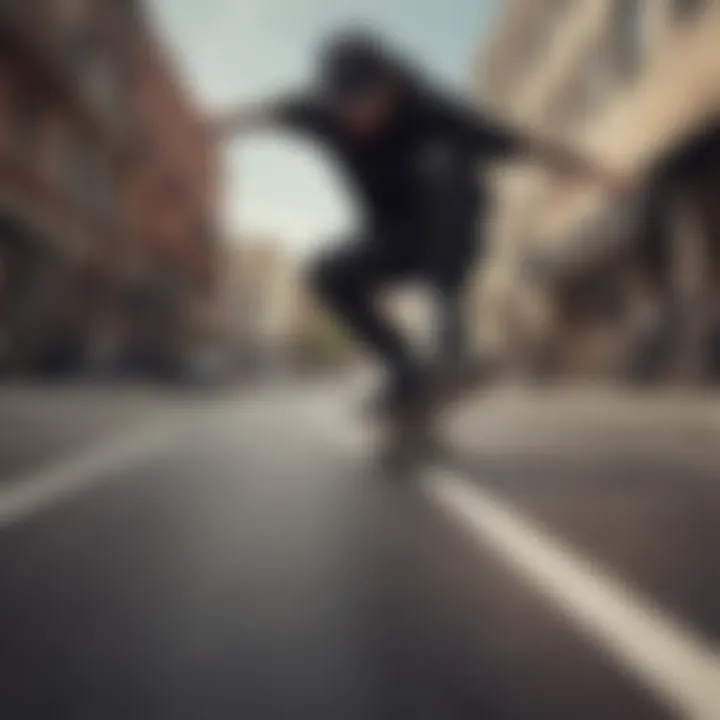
x,y
422,196
350,65
385,172
435,244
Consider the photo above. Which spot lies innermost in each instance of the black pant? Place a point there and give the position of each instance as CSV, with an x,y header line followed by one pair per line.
x,y
437,244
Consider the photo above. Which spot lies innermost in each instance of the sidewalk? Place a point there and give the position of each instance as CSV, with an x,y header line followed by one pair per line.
x,y
41,422
591,421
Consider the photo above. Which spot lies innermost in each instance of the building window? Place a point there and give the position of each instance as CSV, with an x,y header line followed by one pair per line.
x,y
560,111
97,73
92,59
584,92
27,122
596,79
79,175
686,9
102,87
104,193
72,12
629,36
543,29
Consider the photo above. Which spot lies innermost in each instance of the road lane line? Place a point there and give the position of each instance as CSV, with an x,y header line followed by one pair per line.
x,y
672,662
28,494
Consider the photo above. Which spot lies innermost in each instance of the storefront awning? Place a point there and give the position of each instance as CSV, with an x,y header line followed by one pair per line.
x,y
615,227
592,242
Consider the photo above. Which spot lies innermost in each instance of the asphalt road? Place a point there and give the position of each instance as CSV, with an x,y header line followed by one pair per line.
x,y
241,557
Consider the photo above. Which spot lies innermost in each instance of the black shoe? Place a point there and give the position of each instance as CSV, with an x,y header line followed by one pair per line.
x,y
451,383
397,397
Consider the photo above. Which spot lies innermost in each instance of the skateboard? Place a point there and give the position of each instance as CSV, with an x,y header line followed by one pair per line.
x,y
411,438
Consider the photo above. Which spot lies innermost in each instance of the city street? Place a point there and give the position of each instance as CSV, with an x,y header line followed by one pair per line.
x,y
239,555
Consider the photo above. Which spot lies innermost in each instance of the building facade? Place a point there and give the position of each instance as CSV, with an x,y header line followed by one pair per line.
x,y
578,281
272,323
82,253
170,187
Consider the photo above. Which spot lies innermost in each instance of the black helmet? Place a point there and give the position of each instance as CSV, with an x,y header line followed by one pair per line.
x,y
350,63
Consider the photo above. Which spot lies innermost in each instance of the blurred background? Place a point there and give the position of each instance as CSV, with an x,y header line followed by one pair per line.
x,y
174,554
132,244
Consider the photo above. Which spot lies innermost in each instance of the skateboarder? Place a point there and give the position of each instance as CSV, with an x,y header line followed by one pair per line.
x,y
414,158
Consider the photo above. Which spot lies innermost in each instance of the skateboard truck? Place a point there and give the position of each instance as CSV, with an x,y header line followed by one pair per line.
x,y
411,436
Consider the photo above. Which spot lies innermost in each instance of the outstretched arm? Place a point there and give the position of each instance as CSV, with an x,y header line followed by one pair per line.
x,y
295,112
244,119
561,159
488,136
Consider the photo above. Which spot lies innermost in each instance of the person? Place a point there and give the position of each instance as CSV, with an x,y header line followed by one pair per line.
x,y
414,157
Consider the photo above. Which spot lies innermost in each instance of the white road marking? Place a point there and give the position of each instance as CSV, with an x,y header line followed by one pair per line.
x,y
675,664
22,497
672,662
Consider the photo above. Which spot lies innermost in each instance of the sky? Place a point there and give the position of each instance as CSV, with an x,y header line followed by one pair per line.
x,y
236,51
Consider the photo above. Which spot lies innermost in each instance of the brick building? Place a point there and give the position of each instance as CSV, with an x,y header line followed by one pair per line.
x,y
171,191
577,283
107,188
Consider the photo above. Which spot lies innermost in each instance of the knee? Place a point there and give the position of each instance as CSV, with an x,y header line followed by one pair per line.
x,y
325,276
439,168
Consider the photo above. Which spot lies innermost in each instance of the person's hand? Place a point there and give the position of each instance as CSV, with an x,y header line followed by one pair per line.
x,y
618,185
240,120
576,166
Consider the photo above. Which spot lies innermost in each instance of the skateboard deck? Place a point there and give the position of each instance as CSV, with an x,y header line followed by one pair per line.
x,y
412,438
